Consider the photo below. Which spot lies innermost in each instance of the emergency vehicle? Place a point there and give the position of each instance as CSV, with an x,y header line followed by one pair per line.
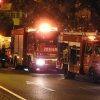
x,y
34,48
83,54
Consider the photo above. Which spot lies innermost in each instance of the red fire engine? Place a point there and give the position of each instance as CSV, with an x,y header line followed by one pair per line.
x,y
83,55
35,48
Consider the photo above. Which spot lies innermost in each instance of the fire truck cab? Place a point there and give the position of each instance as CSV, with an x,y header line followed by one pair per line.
x,y
35,48
83,55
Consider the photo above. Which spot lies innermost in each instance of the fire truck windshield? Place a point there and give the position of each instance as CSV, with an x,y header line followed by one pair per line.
x,y
50,37
35,38
31,38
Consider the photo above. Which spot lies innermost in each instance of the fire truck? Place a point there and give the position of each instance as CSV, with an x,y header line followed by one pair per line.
x,y
83,57
34,48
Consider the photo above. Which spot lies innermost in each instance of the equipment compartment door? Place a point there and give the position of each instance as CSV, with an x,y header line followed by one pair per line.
x,y
61,46
87,56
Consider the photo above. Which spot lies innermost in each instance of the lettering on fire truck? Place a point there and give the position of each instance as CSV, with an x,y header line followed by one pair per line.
x,y
50,49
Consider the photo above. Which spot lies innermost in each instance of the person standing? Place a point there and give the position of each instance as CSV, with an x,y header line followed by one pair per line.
x,y
2,56
65,55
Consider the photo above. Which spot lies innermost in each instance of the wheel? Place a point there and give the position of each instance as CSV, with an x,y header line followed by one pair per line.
x,y
93,76
15,61
58,70
67,74
30,65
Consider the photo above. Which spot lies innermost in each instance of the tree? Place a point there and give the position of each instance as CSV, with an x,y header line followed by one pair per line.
x,y
61,12
6,23
94,7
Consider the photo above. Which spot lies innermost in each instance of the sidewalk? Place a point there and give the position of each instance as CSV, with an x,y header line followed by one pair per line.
x,y
7,65
3,97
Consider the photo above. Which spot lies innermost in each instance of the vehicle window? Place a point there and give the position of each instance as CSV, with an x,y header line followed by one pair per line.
x,y
88,50
97,49
31,38
51,37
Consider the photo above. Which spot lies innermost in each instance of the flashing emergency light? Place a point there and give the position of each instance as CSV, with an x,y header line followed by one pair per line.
x,y
0,1
31,29
54,29
91,37
44,27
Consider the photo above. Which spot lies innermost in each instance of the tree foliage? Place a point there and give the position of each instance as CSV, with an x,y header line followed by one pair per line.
x,y
94,7
6,23
60,12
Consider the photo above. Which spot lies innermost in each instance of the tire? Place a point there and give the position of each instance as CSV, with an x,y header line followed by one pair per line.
x,y
15,61
59,71
93,76
30,65
67,74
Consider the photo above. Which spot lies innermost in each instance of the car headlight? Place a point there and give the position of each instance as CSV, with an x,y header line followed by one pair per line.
x,y
40,62
3,59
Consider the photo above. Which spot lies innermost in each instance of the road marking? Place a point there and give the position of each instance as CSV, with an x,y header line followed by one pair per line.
x,y
88,89
16,95
38,84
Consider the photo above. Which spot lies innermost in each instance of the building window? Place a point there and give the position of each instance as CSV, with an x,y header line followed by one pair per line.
x,y
17,15
12,14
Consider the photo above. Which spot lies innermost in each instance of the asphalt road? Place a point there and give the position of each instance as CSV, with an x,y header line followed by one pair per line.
x,y
22,85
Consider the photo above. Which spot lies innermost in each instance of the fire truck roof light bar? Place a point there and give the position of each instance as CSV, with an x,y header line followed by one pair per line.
x,y
34,29
79,33
91,37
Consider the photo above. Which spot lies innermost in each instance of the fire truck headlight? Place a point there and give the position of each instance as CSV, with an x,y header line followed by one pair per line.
x,y
40,62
